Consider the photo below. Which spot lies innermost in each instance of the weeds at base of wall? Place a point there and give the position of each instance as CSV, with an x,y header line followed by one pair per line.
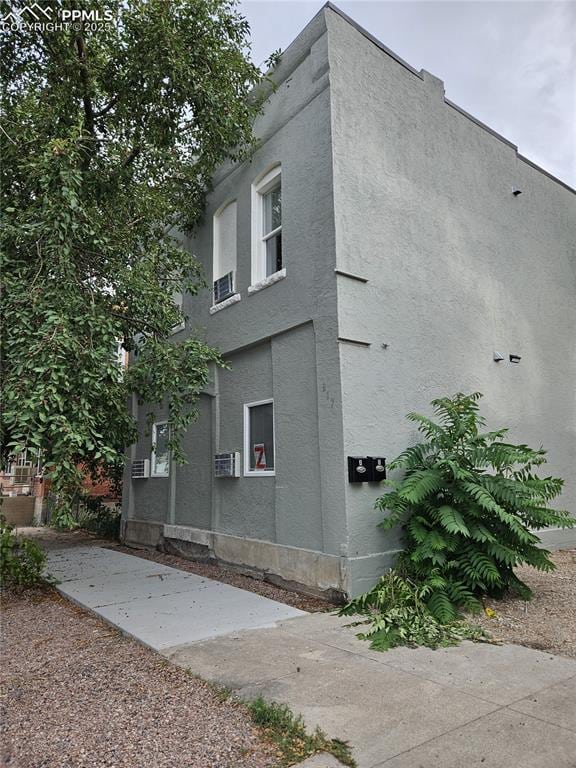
x,y
89,513
288,733
103,521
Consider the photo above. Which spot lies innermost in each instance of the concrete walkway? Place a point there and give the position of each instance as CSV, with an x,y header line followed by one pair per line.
x,y
156,604
475,705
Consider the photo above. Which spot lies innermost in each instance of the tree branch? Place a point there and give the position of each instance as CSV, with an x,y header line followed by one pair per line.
x,y
104,111
132,156
88,109
136,321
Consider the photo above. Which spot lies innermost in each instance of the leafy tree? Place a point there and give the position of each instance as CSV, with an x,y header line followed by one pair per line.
x,y
110,136
469,503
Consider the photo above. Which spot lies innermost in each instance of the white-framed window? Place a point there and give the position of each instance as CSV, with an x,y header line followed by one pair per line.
x,y
224,252
122,356
259,445
160,457
267,256
178,301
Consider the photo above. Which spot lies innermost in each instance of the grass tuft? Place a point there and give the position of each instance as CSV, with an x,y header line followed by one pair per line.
x,y
288,732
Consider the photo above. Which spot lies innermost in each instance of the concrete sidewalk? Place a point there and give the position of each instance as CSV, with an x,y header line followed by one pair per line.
x,y
156,604
475,705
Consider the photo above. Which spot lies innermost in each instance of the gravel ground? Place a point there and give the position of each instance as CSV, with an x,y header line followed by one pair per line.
x,y
230,576
548,621
75,693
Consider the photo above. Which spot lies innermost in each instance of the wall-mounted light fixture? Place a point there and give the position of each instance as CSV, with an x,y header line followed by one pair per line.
x,y
516,191
497,357
514,358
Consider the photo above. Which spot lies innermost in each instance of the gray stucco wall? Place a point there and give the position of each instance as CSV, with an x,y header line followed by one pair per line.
x,y
285,508
192,488
281,342
384,180
150,498
457,267
244,506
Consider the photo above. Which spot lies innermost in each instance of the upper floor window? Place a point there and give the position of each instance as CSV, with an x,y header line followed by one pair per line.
x,y
267,226
160,464
178,301
224,256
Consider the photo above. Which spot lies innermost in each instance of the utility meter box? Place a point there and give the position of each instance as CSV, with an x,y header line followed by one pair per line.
x,y
366,469
378,468
359,469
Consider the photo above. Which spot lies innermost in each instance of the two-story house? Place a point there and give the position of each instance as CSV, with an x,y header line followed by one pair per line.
x,y
381,248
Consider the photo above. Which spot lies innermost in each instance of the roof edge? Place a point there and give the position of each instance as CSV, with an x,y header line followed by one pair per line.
x,y
373,39
389,52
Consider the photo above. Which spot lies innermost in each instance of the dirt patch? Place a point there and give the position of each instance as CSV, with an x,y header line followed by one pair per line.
x,y
548,621
230,576
78,694
52,538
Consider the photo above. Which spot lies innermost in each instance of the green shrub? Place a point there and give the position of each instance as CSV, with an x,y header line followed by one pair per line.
x,y
88,512
21,560
99,518
469,503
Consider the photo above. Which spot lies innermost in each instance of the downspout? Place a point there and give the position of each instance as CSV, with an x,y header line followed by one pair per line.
x,y
215,446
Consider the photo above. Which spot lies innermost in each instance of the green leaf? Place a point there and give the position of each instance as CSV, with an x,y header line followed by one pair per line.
x,y
452,520
420,484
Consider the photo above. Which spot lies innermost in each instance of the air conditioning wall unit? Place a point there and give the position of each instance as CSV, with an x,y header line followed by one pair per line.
x,y
140,469
224,287
22,473
227,464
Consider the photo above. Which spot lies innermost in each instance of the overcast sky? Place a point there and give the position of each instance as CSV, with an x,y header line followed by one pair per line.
x,y
511,64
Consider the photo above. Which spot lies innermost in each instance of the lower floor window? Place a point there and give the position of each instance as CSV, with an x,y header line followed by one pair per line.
x,y
259,437
160,449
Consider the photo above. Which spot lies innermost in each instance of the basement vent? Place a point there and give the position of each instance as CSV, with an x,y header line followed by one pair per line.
x,y
224,287
140,469
227,464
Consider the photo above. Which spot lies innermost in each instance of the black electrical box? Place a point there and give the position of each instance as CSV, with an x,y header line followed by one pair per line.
x,y
366,469
378,465
359,469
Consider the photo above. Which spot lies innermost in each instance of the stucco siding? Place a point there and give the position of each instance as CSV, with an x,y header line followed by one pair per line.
x,y
192,489
280,342
457,268
151,497
295,132
244,506
298,491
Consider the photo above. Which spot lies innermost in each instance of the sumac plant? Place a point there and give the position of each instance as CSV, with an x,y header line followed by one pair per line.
x,y
470,504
